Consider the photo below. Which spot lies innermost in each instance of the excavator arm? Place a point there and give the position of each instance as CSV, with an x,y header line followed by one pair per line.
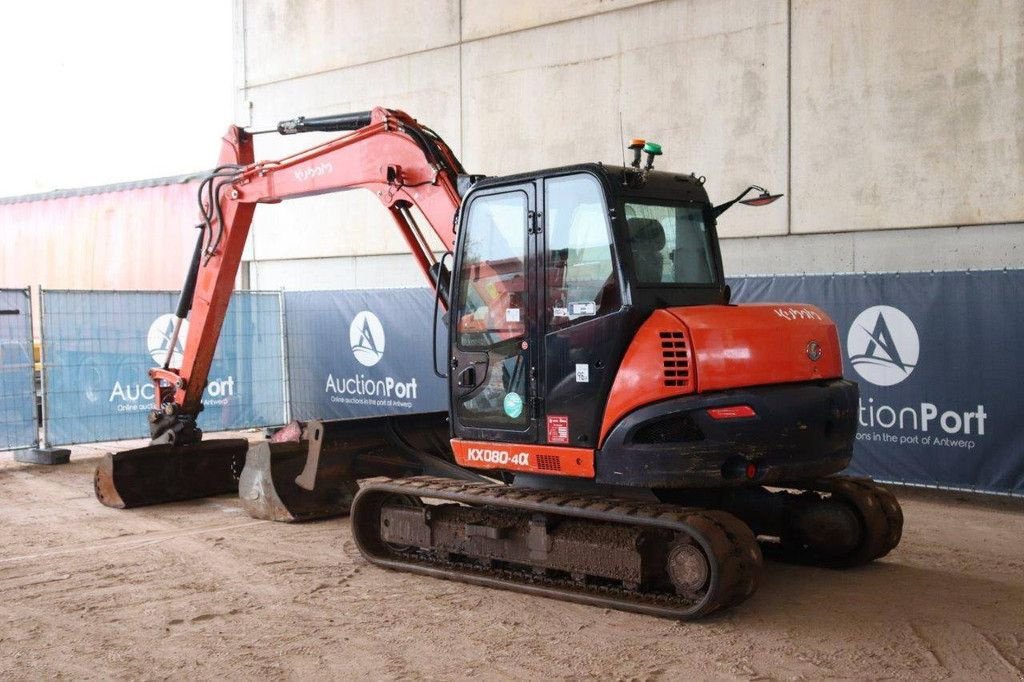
x,y
403,163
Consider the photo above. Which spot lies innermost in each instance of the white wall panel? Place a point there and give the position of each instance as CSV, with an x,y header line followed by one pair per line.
x,y
289,38
483,18
425,85
706,79
907,113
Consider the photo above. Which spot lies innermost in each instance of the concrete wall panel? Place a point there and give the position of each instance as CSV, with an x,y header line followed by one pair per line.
x,y
907,113
902,115
483,18
978,247
354,223
288,38
788,254
705,79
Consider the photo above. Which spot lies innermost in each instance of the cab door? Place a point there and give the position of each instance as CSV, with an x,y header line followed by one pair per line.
x,y
586,327
493,363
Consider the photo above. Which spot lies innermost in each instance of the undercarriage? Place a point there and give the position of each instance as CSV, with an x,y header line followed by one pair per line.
x,y
660,559
656,559
671,552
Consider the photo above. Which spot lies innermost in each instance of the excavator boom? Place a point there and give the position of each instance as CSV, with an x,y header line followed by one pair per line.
x,y
404,164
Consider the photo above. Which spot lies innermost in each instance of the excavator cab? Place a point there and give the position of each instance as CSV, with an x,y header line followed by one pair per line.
x,y
552,272
592,331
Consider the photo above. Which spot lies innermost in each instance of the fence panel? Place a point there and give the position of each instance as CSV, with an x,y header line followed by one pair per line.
x,y
362,353
18,427
936,358
99,345
933,353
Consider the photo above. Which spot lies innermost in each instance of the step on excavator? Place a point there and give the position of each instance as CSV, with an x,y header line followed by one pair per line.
x,y
618,434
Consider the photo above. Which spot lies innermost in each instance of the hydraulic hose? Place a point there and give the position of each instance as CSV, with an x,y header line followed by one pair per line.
x,y
188,291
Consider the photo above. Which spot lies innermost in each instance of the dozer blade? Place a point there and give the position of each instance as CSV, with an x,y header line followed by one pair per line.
x,y
167,473
309,471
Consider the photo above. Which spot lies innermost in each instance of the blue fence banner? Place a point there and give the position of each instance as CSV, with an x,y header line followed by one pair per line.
x,y
934,355
18,427
99,345
362,353
937,360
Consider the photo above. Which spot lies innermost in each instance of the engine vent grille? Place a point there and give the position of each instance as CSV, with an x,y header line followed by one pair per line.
x,y
675,356
674,429
548,463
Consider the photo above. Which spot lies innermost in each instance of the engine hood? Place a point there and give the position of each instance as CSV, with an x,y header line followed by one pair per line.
x,y
736,346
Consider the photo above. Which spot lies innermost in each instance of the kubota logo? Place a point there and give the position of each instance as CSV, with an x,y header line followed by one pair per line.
x,y
366,336
883,345
159,340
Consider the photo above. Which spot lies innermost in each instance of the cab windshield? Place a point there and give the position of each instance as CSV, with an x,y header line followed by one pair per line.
x,y
669,244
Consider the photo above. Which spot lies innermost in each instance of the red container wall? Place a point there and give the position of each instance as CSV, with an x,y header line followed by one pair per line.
x,y
132,239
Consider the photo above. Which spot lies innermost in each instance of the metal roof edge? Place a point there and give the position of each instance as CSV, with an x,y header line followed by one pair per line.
x,y
103,189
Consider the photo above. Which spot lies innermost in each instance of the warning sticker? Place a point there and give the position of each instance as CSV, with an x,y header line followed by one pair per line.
x,y
582,373
558,428
583,309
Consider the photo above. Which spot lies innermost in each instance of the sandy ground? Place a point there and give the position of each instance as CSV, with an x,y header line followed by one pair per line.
x,y
200,590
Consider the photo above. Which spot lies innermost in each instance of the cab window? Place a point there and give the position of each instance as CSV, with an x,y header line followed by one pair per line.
x,y
492,313
670,244
492,305
579,270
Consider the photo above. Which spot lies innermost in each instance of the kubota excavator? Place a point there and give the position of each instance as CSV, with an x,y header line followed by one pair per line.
x,y
618,432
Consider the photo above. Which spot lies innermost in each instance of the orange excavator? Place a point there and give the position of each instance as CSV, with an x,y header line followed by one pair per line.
x,y
618,432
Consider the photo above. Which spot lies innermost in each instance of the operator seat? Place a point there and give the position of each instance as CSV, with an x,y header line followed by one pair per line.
x,y
647,239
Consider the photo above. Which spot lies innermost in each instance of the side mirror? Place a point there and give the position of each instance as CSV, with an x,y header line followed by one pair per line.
x,y
763,199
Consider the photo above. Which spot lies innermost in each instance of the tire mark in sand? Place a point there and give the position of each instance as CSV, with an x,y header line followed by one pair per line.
x,y
1010,665
928,645
131,543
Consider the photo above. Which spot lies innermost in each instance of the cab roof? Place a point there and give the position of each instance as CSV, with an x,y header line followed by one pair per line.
x,y
618,180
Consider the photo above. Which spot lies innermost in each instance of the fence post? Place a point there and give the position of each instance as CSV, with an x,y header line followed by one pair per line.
x,y
42,367
286,390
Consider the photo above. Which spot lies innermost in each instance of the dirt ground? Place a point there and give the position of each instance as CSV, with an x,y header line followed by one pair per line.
x,y
200,590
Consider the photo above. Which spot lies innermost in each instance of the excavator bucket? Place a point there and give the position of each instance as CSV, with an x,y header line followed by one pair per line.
x,y
268,487
166,473
310,471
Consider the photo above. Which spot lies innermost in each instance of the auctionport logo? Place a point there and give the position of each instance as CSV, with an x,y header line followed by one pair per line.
x,y
366,337
883,345
159,340
132,396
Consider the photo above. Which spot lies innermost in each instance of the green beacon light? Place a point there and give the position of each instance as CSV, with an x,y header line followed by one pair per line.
x,y
652,149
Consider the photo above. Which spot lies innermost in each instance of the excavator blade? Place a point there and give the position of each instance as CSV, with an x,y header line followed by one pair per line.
x,y
309,471
166,473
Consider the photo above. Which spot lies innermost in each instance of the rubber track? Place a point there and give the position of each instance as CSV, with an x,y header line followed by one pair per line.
x,y
878,510
724,538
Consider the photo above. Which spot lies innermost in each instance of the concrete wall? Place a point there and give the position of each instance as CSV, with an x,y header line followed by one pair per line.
x,y
892,126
